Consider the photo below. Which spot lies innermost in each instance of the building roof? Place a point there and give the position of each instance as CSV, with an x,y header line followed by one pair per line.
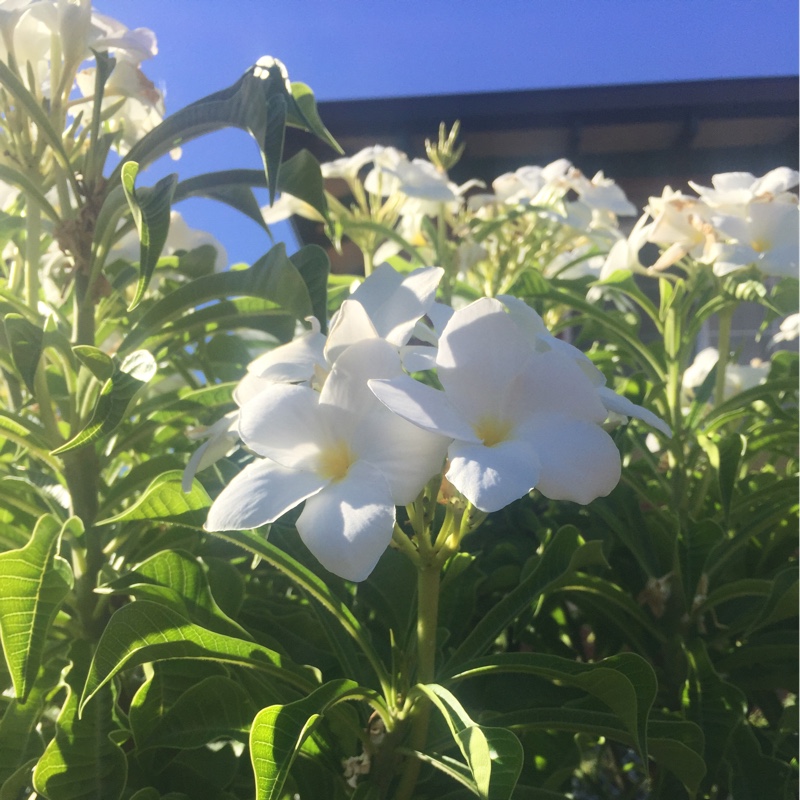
x,y
639,134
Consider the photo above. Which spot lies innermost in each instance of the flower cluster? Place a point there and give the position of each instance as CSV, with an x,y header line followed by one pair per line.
x,y
50,45
739,221
401,390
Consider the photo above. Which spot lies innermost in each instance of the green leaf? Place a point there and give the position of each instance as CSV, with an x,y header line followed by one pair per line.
x,y
23,98
82,762
301,177
144,631
313,265
100,364
563,555
231,187
175,578
214,708
626,683
674,744
279,732
718,707
150,209
165,500
314,587
25,341
14,786
273,277
162,689
115,396
494,756
306,115
756,775
27,434
782,602
33,583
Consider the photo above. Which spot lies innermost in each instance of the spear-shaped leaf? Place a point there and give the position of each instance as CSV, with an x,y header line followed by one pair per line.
x,y
279,731
144,631
82,762
118,391
33,582
493,756
150,209
25,341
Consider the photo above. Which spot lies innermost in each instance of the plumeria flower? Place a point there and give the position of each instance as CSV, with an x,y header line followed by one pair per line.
x,y
624,253
732,192
681,223
180,237
342,452
767,236
738,377
601,193
541,340
789,330
387,306
532,184
518,418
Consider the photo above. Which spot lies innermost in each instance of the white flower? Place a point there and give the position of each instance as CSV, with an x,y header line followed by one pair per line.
x,y
738,377
624,253
386,306
540,339
789,330
342,452
601,193
519,419
734,191
180,237
533,184
766,235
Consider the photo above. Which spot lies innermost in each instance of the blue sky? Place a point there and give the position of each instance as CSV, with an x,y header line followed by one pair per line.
x,y
377,48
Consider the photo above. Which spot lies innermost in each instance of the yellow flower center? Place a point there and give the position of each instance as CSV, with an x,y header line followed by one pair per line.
x,y
492,430
760,245
335,461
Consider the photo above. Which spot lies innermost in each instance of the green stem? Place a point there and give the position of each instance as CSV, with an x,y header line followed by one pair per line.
x,y
428,583
724,347
32,244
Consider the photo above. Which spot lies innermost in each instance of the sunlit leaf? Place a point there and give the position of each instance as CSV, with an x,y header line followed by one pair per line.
x,y
279,732
165,500
494,755
33,583
150,208
82,762
118,391
144,631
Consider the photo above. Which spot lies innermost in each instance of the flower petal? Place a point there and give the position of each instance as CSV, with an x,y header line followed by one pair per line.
x,y
614,402
394,302
283,422
426,407
259,494
349,524
350,325
480,353
579,459
492,477
346,386
553,382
